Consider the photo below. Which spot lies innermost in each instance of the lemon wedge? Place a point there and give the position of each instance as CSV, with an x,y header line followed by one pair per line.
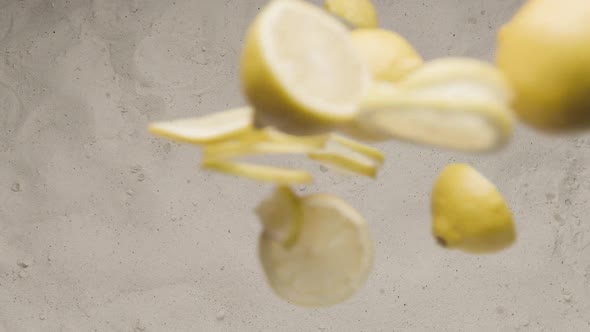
x,y
206,129
358,13
468,212
329,261
281,216
300,70
469,111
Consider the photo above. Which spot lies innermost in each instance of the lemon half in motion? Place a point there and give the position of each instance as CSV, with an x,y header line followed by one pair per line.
x,y
451,103
330,259
545,52
468,212
300,70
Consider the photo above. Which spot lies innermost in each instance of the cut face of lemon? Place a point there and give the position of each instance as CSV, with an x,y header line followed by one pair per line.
x,y
468,112
206,129
468,212
281,216
359,13
329,261
299,68
261,173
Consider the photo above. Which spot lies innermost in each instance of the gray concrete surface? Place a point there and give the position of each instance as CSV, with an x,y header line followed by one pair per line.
x,y
105,228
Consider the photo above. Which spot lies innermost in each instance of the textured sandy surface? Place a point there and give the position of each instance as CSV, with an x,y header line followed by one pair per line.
x,y
105,228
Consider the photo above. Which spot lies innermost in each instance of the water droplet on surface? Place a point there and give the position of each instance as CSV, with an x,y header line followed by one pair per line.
x,y
302,188
323,168
141,177
24,262
220,315
568,202
42,316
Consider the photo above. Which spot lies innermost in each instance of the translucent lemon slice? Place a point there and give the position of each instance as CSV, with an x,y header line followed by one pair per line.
x,y
206,129
259,172
463,115
299,68
329,261
281,216
468,212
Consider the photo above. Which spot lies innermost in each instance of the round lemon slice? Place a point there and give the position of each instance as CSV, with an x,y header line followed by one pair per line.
x,y
206,129
281,216
358,13
329,261
458,115
300,70
468,212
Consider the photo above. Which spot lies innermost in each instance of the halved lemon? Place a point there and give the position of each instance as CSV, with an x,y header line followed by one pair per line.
x,y
282,216
300,70
206,129
358,13
329,261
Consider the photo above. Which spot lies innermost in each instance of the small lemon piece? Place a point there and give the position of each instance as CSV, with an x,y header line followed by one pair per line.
x,y
468,111
329,261
545,52
468,212
259,172
281,216
360,13
300,70
206,129
389,55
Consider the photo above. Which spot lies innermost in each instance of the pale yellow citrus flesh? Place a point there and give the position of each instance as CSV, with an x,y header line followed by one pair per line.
x,y
299,68
330,260
469,213
281,216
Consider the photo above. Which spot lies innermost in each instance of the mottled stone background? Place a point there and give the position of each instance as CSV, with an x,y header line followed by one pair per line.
x,y
105,228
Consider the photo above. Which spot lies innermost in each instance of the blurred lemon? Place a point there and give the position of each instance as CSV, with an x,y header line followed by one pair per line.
x,y
300,69
359,13
545,51
389,55
330,259
455,103
468,212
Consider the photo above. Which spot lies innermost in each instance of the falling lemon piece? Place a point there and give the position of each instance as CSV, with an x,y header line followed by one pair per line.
x,y
206,129
257,172
282,216
358,13
468,212
329,261
545,52
467,112
348,156
389,55
300,70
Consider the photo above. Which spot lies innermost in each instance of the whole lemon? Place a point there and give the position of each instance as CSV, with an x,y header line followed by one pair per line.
x,y
545,52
